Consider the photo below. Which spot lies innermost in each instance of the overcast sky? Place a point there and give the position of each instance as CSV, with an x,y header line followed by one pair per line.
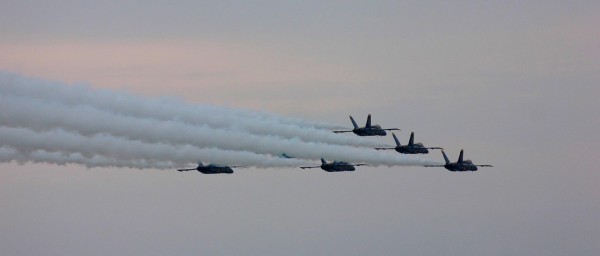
x,y
514,84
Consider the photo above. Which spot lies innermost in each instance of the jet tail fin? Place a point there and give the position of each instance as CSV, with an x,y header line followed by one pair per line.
x,y
200,163
411,142
354,123
368,124
460,157
396,139
323,161
445,157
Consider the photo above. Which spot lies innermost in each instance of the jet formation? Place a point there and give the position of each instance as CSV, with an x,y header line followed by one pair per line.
x,y
368,130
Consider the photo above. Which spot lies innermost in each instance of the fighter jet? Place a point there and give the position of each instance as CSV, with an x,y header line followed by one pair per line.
x,y
411,148
368,130
460,165
210,169
334,166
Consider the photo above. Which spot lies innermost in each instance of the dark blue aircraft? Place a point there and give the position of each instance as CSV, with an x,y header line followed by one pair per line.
x,y
368,130
460,165
210,169
411,148
334,166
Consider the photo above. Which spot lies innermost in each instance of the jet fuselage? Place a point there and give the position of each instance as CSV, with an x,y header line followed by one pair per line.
x,y
374,130
467,165
338,167
412,150
211,169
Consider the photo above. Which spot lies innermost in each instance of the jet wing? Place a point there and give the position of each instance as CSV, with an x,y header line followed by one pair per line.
x,y
308,167
351,165
484,165
384,148
341,131
391,129
433,165
435,148
185,170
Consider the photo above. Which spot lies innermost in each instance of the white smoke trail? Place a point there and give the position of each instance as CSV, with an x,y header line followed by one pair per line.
x,y
26,140
59,158
78,123
171,110
23,112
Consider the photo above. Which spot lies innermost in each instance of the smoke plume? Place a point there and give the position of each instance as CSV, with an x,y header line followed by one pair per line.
x,y
56,123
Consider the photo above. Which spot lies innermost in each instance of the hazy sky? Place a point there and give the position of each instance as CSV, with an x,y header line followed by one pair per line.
x,y
515,84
